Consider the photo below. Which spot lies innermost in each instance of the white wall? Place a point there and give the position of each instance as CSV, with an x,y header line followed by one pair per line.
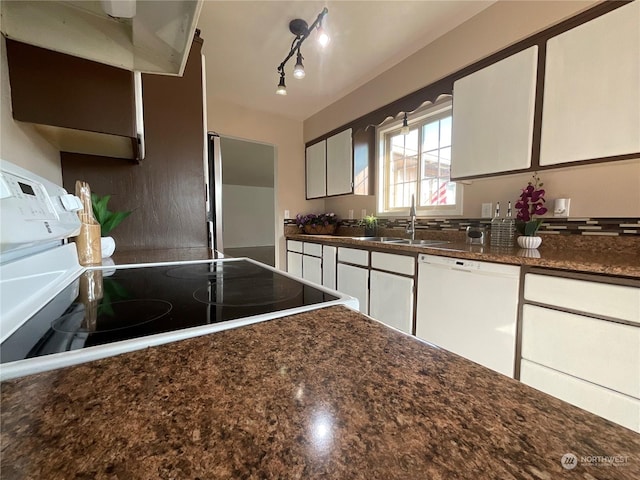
x,y
285,134
247,216
19,142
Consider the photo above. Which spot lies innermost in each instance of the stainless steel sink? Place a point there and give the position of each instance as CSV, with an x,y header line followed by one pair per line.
x,y
403,241
427,242
381,239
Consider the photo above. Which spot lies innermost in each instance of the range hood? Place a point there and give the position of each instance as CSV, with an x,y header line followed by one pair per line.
x,y
156,39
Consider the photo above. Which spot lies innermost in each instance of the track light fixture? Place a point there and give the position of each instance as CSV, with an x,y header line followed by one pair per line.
x,y
405,126
302,31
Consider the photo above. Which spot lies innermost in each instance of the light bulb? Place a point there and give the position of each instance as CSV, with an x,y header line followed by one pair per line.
x,y
298,70
323,37
405,126
282,88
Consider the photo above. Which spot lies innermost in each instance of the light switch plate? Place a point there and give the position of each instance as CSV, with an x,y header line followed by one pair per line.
x,y
364,212
350,214
287,214
487,208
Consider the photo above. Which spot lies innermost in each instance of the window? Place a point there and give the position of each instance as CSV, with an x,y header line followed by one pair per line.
x,y
419,164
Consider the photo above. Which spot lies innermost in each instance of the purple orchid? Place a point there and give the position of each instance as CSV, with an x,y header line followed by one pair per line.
x,y
530,203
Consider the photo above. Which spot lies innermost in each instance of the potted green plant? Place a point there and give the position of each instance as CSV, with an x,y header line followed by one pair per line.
x,y
370,224
108,220
530,204
317,224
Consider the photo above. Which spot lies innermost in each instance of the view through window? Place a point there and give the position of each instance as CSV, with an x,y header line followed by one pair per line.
x,y
419,163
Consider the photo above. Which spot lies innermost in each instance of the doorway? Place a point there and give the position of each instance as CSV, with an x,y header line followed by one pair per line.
x,y
248,199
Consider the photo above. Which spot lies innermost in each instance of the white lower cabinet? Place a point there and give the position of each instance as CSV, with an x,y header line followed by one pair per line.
x,y
304,260
589,362
312,269
384,289
329,266
612,405
391,300
354,281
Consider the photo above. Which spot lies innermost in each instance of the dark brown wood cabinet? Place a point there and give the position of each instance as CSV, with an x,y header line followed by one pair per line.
x,y
364,161
77,104
166,192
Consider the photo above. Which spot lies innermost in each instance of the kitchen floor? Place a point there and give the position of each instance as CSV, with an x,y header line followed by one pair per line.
x,y
265,254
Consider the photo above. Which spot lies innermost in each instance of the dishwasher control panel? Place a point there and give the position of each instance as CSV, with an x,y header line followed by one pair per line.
x,y
451,262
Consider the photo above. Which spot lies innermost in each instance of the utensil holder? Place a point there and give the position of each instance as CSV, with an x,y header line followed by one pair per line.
x,y
88,244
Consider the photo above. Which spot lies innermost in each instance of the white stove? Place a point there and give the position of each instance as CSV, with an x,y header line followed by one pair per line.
x,y
56,313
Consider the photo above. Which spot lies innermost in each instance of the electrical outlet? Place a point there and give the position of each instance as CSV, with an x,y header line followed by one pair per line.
x,y
487,210
364,212
287,214
350,214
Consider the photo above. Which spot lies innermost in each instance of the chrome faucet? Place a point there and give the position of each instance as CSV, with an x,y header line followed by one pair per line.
x,y
411,228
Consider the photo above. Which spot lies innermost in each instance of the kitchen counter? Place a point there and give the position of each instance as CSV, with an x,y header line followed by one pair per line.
x,y
323,394
610,261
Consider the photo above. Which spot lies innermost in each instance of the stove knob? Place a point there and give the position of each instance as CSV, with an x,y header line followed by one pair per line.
x,y
5,191
71,203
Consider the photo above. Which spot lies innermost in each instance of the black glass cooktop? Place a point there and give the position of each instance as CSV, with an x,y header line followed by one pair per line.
x,y
102,307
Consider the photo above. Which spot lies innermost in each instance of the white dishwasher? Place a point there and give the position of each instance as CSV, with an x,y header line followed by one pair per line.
x,y
469,308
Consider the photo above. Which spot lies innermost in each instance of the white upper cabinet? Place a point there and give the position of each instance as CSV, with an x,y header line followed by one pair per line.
x,y
329,168
316,174
339,163
493,111
592,90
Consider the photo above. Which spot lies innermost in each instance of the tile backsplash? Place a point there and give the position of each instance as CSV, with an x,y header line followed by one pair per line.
x,y
612,227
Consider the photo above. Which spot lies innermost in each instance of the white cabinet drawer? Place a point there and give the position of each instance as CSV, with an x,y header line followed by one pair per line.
x,y
393,263
294,246
352,255
314,249
599,351
615,301
611,405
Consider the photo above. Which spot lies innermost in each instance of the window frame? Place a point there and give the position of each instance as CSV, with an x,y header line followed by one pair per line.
x,y
436,111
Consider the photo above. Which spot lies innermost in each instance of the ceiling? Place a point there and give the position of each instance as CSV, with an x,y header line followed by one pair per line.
x,y
245,41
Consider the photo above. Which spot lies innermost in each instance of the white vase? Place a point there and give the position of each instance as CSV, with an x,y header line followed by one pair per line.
x,y
108,246
529,242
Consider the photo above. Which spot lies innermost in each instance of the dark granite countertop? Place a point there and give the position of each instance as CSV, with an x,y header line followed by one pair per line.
x,y
323,394
605,260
